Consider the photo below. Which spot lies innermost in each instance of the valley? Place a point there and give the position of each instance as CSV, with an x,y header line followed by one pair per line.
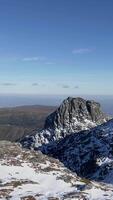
x,y
16,122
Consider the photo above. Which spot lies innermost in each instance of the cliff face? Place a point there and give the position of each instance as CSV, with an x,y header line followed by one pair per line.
x,y
75,114
88,153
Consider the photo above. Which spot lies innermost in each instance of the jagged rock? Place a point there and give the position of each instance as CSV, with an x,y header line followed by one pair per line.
x,y
80,135
73,115
81,151
88,153
73,111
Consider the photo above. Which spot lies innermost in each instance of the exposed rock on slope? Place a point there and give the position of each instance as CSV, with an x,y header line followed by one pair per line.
x,y
81,137
88,153
29,175
73,115
74,112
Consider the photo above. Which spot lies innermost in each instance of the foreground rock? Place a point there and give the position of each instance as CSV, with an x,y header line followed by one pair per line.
x,y
88,153
29,175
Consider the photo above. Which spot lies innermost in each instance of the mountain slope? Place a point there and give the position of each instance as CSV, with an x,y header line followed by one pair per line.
x,y
73,115
20,121
29,175
88,153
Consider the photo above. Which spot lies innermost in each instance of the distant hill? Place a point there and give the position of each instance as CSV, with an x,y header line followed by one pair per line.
x,y
20,121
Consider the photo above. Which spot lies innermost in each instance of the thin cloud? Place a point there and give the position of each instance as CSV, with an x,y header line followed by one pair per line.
x,y
8,84
35,84
30,59
76,87
50,63
83,50
65,86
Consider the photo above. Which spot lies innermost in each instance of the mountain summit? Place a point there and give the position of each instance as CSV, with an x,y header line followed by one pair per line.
x,y
79,135
73,115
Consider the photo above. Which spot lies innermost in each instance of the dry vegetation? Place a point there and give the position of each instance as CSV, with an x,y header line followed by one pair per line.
x,y
20,121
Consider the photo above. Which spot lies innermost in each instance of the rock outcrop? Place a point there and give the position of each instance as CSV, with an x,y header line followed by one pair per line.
x,y
73,115
76,114
79,135
88,153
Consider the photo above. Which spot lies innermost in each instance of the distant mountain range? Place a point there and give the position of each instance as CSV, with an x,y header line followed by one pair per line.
x,y
52,100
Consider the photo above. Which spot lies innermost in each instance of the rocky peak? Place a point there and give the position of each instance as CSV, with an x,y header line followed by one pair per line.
x,y
73,111
73,115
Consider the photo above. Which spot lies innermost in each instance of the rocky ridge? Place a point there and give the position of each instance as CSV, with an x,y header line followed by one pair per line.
x,y
80,136
88,153
73,115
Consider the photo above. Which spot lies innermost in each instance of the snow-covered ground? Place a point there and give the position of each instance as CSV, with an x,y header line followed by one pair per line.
x,y
31,182
29,175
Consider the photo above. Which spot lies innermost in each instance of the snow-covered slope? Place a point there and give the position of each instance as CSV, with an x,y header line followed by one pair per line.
x,y
29,175
81,137
73,115
88,153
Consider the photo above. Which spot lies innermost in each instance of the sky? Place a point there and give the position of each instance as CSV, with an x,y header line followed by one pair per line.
x,y
56,47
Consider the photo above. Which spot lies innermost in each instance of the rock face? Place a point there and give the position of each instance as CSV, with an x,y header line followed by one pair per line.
x,y
88,153
80,136
73,115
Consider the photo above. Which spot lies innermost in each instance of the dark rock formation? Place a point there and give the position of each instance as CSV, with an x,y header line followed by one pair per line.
x,y
73,115
80,135
73,111
88,153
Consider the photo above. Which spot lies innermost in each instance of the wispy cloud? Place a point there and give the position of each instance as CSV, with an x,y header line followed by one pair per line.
x,y
65,86
83,50
76,87
35,84
8,84
30,59
50,63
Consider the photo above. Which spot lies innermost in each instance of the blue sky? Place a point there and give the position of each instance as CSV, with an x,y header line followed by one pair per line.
x,y
56,47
